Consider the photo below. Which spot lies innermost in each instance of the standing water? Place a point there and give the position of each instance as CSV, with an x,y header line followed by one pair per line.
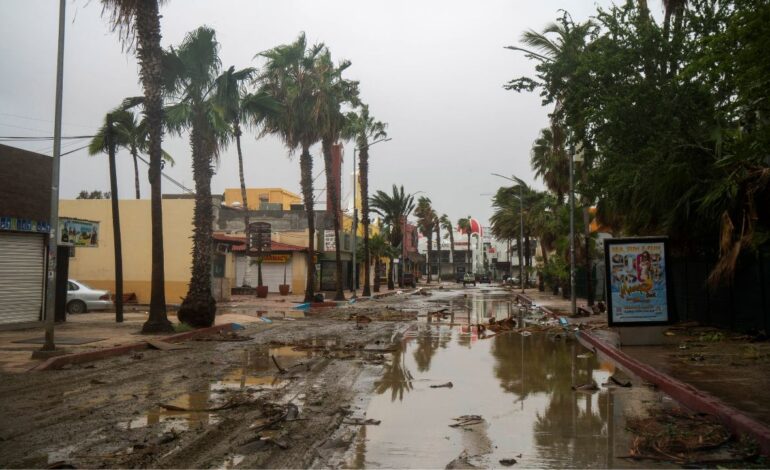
x,y
521,388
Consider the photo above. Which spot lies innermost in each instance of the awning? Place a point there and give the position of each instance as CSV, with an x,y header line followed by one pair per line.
x,y
238,244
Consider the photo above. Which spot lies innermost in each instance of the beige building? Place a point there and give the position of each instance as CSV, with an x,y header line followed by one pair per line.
x,y
262,198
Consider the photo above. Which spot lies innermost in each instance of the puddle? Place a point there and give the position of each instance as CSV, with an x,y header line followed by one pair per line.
x,y
520,385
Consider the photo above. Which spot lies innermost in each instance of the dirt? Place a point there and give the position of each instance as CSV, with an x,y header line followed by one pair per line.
x,y
217,404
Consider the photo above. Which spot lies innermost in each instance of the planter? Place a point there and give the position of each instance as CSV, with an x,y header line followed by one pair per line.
x,y
262,292
283,289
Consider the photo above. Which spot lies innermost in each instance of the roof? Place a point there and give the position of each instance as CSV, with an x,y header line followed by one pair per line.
x,y
239,243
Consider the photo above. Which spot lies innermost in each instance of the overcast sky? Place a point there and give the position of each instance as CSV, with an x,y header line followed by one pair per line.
x,y
433,70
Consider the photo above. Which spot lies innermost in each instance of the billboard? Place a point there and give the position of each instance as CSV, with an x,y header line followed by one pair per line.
x,y
638,282
82,233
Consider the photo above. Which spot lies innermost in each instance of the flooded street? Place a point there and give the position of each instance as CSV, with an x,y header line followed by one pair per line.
x,y
521,388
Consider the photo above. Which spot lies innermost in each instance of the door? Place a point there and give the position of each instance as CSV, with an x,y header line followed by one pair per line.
x,y
22,267
272,274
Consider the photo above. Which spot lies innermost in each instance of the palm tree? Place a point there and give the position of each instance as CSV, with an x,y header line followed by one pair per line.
x,y
192,70
334,92
394,209
437,227
236,106
106,141
288,77
363,129
446,224
378,248
464,224
550,162
426,222
139,23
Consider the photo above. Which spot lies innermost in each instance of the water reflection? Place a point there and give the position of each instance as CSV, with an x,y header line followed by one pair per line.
x,y
521,386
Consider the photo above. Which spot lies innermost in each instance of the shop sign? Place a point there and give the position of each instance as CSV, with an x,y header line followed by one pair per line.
x,y
638,281
81,233
260,236
275,258
23,225
329,244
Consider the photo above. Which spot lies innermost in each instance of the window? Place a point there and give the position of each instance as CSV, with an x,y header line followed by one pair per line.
x,y
72,286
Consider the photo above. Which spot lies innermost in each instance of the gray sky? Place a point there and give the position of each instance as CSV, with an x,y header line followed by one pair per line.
x,y
433,70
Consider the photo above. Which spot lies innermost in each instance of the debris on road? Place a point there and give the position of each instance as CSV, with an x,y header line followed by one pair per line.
x,y
446,385
466,420
508,462
587,387
362,422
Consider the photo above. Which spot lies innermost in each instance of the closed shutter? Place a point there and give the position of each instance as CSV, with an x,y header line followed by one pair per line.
x,y
21,276
272,274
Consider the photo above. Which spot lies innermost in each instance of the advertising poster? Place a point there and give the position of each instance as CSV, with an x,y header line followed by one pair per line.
x,y
329,244
82,233
637,281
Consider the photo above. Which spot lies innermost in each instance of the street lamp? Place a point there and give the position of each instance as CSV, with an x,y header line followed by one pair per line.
x,y
355,213
572,159
520,197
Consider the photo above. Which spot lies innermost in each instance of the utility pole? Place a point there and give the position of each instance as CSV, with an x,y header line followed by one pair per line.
x,y
573,300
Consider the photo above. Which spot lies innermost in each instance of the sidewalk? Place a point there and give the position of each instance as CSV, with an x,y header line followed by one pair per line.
x,y
721,371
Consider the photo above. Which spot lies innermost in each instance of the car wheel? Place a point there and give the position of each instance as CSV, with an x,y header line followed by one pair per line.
x,y
76,306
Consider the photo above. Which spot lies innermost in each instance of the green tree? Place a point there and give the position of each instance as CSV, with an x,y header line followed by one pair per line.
x,y
288,77
191,72
426,223
139,24
394,209
465,226
363,130
446,224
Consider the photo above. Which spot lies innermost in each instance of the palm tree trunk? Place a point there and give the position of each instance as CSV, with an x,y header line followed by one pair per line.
x,y
136,170
452,251
363,169
333,196
115,225
148,51
306,181
244,200
438,249
430,256
199,307
376,274
391,286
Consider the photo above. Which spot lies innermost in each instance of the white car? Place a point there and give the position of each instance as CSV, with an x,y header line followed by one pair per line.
x,y
81,298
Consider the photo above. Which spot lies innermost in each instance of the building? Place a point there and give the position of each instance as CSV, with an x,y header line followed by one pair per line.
x,y
25,202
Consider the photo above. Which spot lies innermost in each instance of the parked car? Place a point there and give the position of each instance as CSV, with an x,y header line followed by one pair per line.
x,y
469,278
484,278
82,298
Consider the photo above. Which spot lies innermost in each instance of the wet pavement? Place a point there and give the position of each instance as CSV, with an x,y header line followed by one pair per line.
x,y
519,385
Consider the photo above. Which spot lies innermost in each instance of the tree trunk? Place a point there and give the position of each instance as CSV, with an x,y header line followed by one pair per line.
x,y
115,224
438,249
520,250
377,274
136,170
244,200
587,234
391,286
199,307
149,53
430,256
333,196
306,181
544,249
363,171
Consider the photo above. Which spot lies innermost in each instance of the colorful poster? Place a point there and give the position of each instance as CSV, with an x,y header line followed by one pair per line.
x,y
82,233
329,244
637,281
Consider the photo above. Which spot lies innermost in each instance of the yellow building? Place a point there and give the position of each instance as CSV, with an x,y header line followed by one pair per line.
x,y
96,266
263,198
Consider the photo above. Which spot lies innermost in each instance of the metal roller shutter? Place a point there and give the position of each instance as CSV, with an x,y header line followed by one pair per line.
x,y
21,276
272,274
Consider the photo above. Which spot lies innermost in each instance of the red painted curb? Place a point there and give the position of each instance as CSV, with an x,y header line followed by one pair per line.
x,y
89,356
697,400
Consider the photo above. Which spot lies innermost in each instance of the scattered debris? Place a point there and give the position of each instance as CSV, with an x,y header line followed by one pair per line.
x,y
278,366
507,324
462,461
466,420
137,356
585,355
97,382
446,385
362,422
508,462
587,387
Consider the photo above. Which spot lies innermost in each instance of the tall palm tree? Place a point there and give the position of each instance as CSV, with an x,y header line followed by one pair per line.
x,y
363,129
446,224
191,72
236,106
550,161
139,24
106,141
288,77
464,224
437,228
334,92
426,222
394,209
378,248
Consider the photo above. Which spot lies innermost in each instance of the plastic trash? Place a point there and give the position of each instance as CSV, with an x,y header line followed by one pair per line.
x,y
266,320
238,326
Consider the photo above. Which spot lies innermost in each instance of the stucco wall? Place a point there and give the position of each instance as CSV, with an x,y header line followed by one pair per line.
x,y
96,266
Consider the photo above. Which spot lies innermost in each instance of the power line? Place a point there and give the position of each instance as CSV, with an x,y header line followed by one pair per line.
x,y
21,138
42,120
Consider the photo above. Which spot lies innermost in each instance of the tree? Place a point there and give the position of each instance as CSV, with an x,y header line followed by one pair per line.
x,y
447,225
95,194
236,106
394,209
426,223
140,22
107,143
465,226
550,161
363,129
288,77
378,248
334,92
191,72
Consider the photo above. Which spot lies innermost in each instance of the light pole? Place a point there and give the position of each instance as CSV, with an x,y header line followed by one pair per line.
x,y
573,301
355,212
520,197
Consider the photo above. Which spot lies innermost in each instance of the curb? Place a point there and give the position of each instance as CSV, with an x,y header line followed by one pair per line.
x,y
697,400
89,356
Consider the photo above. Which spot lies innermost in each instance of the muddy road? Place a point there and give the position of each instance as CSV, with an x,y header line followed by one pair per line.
x,y
375,384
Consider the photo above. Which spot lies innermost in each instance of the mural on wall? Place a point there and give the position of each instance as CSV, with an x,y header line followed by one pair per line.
x,y
81,233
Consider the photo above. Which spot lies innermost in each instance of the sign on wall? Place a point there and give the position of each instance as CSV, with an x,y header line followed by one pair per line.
x,y
260,233
637,279
329,244
74,232
23,225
